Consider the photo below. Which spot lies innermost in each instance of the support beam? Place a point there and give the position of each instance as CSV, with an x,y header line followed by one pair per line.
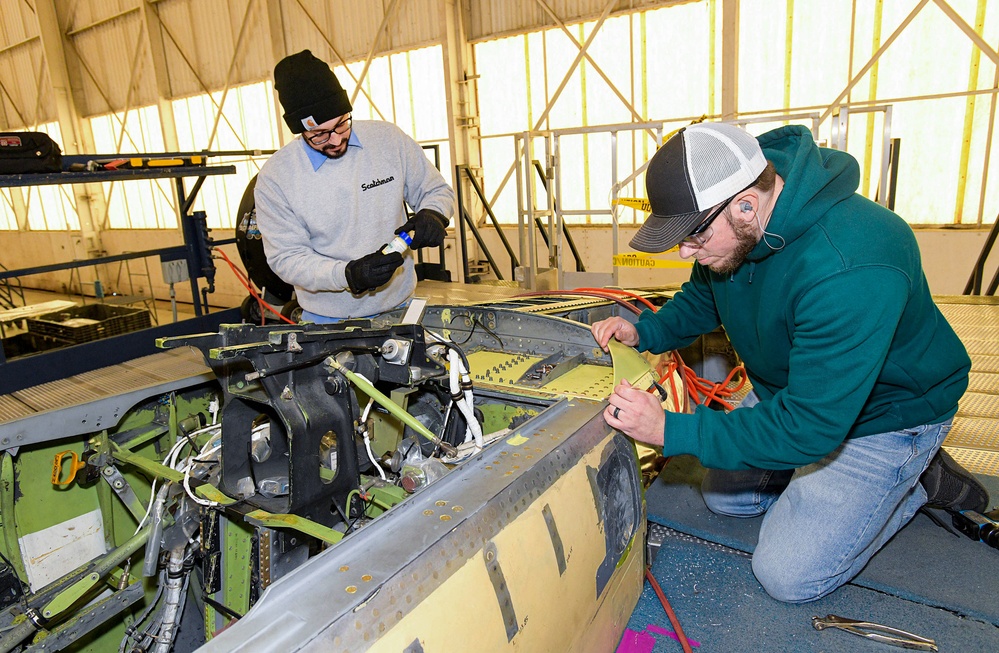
x,y
969,118
244,27
75,135
730,59
613,87
873,60
194,72
343,62
279,50
975,37
460,79
374,48
161,76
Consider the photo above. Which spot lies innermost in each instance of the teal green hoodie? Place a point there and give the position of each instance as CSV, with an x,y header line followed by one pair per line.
x,y
837,329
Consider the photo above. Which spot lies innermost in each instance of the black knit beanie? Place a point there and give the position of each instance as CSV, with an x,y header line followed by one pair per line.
x,y
309,92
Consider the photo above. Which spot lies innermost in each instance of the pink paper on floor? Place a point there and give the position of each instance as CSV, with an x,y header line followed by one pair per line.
x,y
633,642
659,630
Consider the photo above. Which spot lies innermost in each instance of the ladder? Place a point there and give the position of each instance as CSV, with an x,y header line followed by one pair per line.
x,y
125,285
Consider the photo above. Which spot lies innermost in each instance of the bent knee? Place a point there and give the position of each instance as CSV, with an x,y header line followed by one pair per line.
x,y
792,583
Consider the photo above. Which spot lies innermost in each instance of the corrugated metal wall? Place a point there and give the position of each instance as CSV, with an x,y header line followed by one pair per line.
x,y
21,65
493,18
201,38
210,44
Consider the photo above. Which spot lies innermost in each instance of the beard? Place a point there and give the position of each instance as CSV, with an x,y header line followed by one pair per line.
x,y
334,151
746,238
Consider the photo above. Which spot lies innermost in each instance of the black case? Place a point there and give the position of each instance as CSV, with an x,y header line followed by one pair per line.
x,y
22,152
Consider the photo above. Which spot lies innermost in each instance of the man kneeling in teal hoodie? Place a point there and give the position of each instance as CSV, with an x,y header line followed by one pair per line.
x,y
856,374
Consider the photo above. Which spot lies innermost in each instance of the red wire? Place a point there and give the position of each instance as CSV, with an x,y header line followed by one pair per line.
x,y
669,612
240,276
602,295
626,293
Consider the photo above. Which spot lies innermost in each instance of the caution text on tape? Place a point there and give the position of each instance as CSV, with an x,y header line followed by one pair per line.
x,y
634,203
648,262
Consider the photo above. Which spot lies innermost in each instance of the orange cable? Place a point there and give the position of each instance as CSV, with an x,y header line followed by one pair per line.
x,y
669,612
713,392
619,291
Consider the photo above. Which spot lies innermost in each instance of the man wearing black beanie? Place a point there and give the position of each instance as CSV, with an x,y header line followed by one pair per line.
x,y
339,191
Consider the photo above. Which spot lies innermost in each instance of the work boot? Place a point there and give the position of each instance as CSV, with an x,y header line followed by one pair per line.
x,y
952,487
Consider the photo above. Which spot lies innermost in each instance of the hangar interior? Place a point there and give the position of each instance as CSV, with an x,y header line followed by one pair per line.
x,y
144,335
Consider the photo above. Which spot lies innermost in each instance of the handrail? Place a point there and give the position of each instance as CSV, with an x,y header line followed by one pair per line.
x,y
974,285
467,219
514,261
7,291
565,229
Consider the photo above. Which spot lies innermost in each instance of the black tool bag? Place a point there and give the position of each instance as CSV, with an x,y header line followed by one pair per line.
x,y
22,152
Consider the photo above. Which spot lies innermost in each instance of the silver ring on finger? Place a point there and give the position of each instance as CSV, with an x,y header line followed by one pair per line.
x,y
617,409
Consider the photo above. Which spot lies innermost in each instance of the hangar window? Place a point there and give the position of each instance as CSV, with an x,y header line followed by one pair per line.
x,y
139,204
8,216
666,64
406,88
41,208
247,121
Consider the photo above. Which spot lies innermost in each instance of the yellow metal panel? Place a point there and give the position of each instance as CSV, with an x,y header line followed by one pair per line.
x,y
526,557
590,381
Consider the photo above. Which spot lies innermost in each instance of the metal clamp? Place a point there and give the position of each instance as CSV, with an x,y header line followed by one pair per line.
x,y
877,632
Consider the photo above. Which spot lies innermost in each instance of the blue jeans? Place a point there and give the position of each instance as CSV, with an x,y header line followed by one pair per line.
x,y
315,318
824,521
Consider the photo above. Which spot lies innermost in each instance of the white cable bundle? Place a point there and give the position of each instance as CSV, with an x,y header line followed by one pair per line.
x,y
459,377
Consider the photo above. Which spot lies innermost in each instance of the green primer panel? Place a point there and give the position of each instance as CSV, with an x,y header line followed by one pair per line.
x,y
7,494
237,565
40,504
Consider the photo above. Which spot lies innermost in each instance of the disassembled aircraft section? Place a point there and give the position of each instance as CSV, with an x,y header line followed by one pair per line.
x,y
339,488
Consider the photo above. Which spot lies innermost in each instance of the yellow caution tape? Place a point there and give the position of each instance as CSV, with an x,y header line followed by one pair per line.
x,y
635,203
646,261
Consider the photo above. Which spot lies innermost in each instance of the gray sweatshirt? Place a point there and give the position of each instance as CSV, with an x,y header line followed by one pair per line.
x,y
316,220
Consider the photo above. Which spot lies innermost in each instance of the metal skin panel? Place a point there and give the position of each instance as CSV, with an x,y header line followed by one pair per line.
x,y
62,409
528,566
555,504
426,556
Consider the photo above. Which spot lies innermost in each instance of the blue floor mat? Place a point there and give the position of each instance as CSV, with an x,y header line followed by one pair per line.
x,y
721,607
923,563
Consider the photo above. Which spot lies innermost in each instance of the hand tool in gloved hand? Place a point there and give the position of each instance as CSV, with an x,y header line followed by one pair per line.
x,y
877,632
371,271
428,228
